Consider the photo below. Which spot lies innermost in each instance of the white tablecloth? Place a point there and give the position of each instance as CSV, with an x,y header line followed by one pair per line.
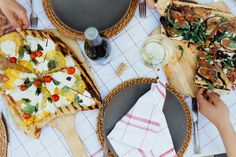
x,y
125,47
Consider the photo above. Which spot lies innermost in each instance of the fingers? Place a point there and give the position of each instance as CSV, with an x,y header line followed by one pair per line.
x,y
7,26
200,91
204,104
22,16
3,78
215,98
13,21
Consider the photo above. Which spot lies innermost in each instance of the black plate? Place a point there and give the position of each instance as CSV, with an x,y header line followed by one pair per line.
x,y
123,102
81,14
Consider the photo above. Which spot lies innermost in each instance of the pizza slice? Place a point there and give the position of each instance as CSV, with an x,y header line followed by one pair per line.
x,y
62,95
212,32
195,23
209,75
31,108
69,76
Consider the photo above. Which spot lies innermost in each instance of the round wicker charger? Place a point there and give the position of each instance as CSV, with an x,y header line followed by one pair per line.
x,y
3,139
131,82
74,34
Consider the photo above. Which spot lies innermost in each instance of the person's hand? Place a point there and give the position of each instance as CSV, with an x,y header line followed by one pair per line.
x,y
15,14
211,106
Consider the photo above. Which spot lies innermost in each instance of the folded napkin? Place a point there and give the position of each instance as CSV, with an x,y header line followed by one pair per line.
x,y
143,131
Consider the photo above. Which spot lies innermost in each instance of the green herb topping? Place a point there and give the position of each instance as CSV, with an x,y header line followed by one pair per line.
x,y
38,91
78,100
27,83
39,47
51,64
55,82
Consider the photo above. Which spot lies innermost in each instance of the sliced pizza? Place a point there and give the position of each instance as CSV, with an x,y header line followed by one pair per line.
x,y
212,32
209,75
52,83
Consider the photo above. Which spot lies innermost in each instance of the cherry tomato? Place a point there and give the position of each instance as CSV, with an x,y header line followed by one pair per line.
x,y
47,78
37,82
70,70
26,116
23,87
33,56
12,59
55,97
38,53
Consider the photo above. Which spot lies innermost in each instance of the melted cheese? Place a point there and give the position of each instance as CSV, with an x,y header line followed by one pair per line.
x,y
43,66
47,44
18,95
63,100
70,63
61,77
8,47
86,100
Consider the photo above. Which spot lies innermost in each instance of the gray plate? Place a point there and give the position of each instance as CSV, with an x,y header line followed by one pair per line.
x,y
123,102
81,14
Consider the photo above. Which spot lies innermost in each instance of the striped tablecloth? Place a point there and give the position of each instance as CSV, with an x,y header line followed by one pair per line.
x,y
125,47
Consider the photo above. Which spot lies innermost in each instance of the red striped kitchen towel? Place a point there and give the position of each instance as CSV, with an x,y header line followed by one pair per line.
x,y
143,131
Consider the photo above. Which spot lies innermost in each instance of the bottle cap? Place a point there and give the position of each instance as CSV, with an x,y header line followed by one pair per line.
x,y
91,33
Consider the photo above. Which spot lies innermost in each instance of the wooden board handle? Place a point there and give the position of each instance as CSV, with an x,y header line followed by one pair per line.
x,y
66,125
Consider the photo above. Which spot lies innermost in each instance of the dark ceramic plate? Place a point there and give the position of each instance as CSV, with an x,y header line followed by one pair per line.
x,y
81,14
124,100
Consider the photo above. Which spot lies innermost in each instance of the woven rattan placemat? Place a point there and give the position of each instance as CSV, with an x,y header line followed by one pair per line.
x,y
100,130
72,33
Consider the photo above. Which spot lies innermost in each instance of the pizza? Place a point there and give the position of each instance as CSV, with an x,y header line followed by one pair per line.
x,y
213,33
55,83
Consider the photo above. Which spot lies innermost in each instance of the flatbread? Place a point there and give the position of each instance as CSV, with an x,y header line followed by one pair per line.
x,y
35,109
208,29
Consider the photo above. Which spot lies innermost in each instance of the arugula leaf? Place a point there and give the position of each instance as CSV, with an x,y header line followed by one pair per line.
x,y
39,47
78,100
209,58
197,33
38,91
51,64
27,83
29,109
210,86
229,63
181,49
55,82
49,99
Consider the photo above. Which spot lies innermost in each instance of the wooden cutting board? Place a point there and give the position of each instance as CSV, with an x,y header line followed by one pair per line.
x,y
180,71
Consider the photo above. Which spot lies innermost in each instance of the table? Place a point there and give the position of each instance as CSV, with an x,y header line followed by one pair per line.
x,y
125,49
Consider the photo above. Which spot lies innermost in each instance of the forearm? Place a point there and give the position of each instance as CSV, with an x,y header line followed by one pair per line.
x,y
229,138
